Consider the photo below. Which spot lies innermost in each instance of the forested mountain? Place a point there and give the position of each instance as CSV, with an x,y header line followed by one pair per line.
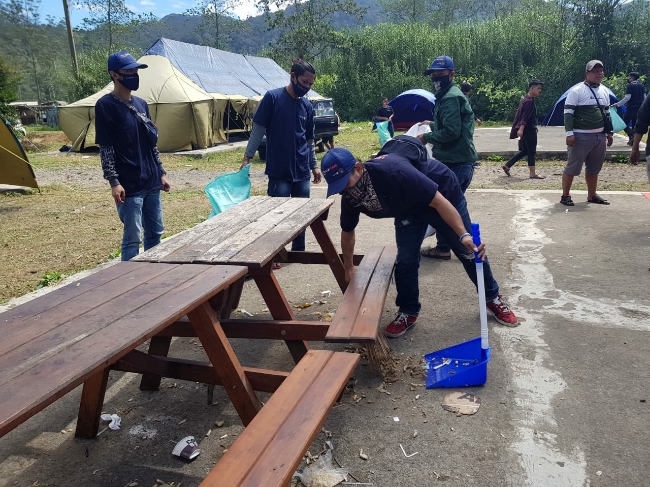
x,y
362,49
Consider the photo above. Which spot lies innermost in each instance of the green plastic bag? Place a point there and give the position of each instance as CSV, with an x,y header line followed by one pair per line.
x,y
617,122
382,131
228,189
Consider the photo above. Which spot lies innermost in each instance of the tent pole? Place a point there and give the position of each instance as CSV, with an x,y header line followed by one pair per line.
x,y
228,107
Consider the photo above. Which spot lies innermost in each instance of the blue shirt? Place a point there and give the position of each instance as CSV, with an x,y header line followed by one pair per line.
x,y
636,91
289,124
403,190
117,126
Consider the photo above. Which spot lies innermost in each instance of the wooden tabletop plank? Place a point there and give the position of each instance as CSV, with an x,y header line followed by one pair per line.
x,y
262,250
206,234
59,374
47,312
78,318
11,317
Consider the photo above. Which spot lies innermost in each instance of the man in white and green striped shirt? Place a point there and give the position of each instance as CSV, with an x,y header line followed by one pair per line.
x,y
586,139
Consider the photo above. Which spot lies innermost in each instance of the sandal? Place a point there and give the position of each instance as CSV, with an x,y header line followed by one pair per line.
x,y
434,253
536,176
506,170
598,200
566,200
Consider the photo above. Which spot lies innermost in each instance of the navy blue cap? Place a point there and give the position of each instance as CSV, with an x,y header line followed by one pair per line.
x,y
123,60
336,167
440,64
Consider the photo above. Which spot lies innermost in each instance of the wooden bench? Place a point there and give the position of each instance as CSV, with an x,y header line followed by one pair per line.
x,y
77,333
357,317
271,447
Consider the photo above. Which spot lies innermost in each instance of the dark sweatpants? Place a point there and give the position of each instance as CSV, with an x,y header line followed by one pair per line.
x,y
527,147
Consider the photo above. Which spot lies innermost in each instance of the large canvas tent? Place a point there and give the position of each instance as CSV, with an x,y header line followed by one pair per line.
x,y
411,107
197,95
14,166
555,116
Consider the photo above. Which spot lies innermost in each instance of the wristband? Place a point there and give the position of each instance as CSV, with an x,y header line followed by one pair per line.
x,y
465,235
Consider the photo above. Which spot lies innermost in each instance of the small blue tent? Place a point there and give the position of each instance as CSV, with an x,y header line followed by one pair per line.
x,y
555,115
411,107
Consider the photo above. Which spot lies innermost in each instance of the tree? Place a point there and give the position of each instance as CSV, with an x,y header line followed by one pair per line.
x,y
8,90
306,27
403,11
219,22
110,16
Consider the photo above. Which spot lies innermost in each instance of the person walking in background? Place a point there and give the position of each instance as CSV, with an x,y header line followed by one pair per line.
x,y
286,117
129,155
384,113
524,126
587,136
452,132
633,98
640,129
466,88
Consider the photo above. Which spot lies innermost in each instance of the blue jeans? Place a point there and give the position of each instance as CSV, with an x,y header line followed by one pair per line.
x,y
409,235
298,189
464,172
136,213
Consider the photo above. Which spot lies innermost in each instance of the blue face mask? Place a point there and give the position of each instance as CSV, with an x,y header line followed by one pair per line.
x,y
130,81
440,83
299,89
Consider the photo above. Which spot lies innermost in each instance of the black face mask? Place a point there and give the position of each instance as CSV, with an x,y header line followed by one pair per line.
x,y
298,89
441,82
130,81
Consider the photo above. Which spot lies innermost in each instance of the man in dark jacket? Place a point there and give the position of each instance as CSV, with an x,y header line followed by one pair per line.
x,y
129,155
452,133
524,126
389,186
633,98
641,128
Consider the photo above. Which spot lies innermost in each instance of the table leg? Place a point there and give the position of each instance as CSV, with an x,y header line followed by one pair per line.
x,y
90,408
279,307
157,346
225,362
330,252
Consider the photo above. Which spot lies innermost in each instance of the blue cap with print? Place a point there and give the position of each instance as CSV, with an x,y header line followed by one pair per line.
x,y
123,60
336,167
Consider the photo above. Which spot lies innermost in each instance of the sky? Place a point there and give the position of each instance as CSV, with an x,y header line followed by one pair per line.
x,y
159,8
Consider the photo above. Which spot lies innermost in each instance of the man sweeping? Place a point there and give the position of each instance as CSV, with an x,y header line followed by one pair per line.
x,y
390,186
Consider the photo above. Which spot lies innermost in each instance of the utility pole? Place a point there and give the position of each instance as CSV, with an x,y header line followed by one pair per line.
x,y
68,24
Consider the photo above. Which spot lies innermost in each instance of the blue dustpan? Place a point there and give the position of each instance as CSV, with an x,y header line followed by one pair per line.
x,y
464,364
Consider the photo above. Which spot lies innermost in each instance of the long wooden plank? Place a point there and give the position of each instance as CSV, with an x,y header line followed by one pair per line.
x,y
269,450
215,229
284,452
255,234
284,232
13,316
348,310
366,325
62,372
308,257
77,319
253,442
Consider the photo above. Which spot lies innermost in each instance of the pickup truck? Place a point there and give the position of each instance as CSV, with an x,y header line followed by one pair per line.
x,y
326,124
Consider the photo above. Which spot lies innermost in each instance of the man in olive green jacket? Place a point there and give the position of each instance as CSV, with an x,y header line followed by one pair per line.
x,y
452,133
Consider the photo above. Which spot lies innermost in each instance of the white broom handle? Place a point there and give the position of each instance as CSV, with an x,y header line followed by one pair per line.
x,y
480,283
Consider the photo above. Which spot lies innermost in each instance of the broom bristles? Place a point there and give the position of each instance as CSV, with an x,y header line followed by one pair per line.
x,y
381,355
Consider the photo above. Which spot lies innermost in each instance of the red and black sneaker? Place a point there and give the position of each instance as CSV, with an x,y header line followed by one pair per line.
x,y
400,325
502,312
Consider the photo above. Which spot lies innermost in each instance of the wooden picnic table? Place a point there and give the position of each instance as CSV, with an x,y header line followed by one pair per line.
x,y
78,333
255,233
